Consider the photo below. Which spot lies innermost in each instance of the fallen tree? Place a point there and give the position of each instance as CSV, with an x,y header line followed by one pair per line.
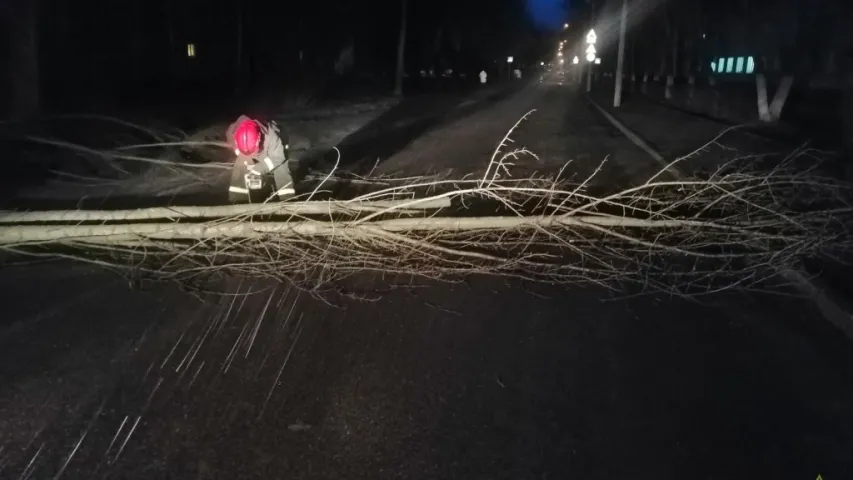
x,y
178,213
733,229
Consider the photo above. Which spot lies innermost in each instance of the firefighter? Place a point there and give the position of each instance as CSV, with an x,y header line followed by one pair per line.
x,y
261,156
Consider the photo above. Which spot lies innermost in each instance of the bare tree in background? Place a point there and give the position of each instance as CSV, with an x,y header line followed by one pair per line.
x,y
19,20
845,41
401,51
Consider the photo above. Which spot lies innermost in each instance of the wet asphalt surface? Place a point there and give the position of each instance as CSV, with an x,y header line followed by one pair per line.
x,y
487,378
482,379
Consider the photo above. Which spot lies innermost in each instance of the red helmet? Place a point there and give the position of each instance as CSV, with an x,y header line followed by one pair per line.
x,y
247,137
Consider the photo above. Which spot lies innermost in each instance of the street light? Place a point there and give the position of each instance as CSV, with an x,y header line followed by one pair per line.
x,y
591,38
598,61
575,60
565,26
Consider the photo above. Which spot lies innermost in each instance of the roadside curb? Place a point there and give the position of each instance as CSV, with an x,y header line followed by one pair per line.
x,y
828,302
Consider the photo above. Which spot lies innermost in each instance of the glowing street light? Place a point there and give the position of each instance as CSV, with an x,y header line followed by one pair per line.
x,y
565,26
559,54
562,61
575,60
598,61
591,38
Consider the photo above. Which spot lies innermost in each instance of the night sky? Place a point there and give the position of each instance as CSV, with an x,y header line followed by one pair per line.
x,y
548,14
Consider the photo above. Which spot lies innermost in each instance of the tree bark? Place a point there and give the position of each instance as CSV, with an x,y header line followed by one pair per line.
x,y
761,91
223,211
169,231
780,97
401,50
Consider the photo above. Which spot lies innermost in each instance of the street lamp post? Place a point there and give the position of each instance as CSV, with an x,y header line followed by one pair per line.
x,y
620,59
591,38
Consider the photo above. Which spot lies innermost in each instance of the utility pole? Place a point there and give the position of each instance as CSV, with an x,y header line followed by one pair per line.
x,y
620,58
590,63
401,51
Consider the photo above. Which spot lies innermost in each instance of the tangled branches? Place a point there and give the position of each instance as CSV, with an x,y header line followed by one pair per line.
x,y
734,229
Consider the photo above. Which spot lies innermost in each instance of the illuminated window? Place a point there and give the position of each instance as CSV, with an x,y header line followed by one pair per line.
x,y
191,50
714,67
739,65
750,65
730,64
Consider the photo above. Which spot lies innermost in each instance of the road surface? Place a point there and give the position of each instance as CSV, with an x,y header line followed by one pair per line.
x,y
486,378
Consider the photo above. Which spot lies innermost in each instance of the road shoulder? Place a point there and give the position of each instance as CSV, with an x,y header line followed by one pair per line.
x,y
640,122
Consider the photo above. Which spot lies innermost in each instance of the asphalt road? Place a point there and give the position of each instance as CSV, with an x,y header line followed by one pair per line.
x,y
486,378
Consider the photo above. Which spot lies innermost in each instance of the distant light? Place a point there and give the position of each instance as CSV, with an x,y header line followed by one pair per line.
x,y
559,54
703,35
598,61
562,61
190,50
541,64
590,57
565,26
591,37
714,67
750,65
509,59
591,50
575,60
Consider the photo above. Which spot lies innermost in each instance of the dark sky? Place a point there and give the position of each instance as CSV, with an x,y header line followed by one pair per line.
x,y
548,14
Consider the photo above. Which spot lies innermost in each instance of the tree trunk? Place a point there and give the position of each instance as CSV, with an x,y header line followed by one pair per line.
x,y
670,79
761,90
773,111
780,97
225,211
847,104
133,233
21,27
401,50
